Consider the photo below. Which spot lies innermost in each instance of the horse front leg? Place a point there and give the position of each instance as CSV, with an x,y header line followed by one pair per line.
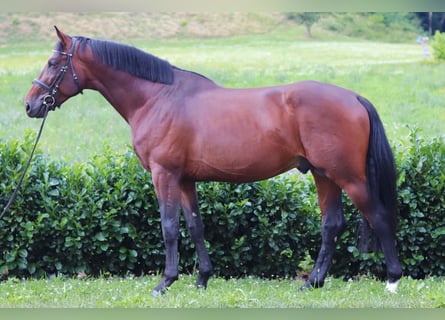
x,y
167,191
189,203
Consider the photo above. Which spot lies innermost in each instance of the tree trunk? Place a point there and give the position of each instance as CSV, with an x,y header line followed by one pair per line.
x,y
430,23
441,23
308,31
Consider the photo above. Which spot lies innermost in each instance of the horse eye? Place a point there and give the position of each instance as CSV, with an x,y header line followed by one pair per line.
x,y
52,63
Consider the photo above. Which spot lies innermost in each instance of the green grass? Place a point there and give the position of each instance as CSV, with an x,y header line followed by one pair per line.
x,y
233,293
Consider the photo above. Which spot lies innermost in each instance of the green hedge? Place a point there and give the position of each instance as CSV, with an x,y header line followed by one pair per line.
x,y
438,45
102,217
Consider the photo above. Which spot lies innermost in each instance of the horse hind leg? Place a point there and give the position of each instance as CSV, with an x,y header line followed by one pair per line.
x,y
333,225
381,220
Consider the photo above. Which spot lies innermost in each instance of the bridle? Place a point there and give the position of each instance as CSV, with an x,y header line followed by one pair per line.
x,y
50,99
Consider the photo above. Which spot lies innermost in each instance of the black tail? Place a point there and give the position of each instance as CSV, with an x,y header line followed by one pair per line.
x,y
380,174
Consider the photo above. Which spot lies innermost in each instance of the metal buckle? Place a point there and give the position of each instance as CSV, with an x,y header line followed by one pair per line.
x,y
49,100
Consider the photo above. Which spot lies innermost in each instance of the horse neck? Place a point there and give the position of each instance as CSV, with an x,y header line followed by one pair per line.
x,y
128,94
125,92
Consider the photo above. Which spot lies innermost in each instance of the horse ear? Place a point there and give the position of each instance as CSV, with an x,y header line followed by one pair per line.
x,y
62,36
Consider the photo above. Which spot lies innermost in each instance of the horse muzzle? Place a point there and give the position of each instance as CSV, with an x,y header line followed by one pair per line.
x,y
40,108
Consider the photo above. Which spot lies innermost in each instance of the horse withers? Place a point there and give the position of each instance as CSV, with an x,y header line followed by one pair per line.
x,y
185,128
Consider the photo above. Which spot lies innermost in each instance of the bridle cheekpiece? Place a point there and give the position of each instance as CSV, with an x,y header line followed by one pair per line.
x,y
50,99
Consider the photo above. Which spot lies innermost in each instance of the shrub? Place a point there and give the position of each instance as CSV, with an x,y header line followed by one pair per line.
x,y
438,45
382,26
102,217
422,206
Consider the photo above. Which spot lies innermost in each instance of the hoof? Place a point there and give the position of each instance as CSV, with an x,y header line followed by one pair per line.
x,y
306,286
201,287
156,293
392,286
203,278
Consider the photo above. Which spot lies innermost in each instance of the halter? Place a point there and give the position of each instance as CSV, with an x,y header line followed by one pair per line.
x,y
50,99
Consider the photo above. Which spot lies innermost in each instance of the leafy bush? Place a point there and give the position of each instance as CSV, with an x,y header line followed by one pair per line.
x,y
382,26
422,206
438,45
102,217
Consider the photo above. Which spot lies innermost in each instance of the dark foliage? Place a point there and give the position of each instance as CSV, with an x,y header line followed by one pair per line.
x,y
102,217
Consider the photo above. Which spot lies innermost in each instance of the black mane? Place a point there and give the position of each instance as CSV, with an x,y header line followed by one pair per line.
x,y
130,59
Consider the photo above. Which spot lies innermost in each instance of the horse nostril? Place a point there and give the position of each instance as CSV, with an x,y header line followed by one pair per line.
x,y
28,107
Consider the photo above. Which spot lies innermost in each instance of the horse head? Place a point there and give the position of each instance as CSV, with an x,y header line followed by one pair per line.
x,y
52,88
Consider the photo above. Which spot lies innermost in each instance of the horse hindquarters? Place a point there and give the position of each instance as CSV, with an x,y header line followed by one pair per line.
x,y
343,154
376,197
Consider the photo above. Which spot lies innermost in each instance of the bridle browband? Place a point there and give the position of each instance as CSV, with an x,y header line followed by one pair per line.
x,y
50,99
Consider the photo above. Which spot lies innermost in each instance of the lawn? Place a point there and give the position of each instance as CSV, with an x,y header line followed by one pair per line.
x,y
232,293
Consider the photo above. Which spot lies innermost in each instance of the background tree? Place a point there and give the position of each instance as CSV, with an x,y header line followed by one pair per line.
x,y
305,18
432,21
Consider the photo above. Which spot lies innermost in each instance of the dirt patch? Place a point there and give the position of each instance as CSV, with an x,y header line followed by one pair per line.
x,y
119,26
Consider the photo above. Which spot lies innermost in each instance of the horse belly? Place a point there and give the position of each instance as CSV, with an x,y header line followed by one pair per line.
x,y
248,137
241,161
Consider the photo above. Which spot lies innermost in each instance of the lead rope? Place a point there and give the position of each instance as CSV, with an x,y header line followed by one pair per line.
x,y
14,194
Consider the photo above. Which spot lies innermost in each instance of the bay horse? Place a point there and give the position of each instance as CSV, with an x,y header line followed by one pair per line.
x,y
185,128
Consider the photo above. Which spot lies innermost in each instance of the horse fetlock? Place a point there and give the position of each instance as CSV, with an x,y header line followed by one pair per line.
x,y
202,280
394,272
164,284
169,279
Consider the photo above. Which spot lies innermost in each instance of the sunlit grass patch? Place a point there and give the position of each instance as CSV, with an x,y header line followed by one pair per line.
x,y
249,292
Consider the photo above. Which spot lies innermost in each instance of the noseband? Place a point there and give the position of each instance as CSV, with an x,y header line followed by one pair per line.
x,y
49,100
